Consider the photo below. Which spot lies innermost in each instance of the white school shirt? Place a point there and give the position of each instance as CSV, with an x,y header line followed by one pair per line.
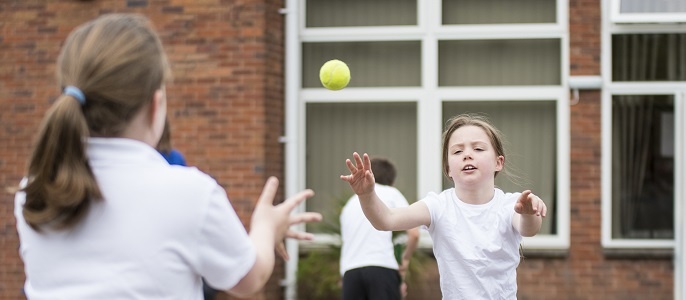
x,y
363,245
158,229
476,246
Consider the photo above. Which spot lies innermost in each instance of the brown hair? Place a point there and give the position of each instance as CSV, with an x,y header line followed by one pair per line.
x,y
494,135
384,171
117,61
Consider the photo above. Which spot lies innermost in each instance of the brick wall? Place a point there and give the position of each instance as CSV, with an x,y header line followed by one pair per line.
x,y
225,104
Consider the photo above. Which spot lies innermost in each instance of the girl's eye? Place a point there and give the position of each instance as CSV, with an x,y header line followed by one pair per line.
x,y
458,152
479,149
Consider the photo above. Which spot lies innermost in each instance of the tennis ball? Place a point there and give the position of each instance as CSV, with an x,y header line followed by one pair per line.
x,y
334,75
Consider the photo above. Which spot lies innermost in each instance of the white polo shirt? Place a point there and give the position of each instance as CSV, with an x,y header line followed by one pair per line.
x,y
158,229
363,245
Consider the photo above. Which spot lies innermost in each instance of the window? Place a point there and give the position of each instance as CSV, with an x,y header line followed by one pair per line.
x,y
649,57
641,103
642,11
499,62
337,130
464,12
643,166
413,65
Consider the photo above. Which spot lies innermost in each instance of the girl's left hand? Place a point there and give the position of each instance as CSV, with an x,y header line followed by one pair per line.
x,y
530,204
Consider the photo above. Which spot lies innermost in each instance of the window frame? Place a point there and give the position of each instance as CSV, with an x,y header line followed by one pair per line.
x,y
429,98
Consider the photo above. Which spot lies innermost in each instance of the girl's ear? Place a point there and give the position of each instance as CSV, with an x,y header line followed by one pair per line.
x,y
158,110
499,163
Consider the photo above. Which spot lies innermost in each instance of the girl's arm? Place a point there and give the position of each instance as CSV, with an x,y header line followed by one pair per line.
x,y
529,213
268,227
361,180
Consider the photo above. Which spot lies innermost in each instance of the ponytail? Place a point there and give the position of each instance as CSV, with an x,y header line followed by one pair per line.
x,y
60,181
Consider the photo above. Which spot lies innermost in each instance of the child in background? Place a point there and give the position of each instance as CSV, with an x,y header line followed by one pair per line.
x,y
368,264
476,228
101,215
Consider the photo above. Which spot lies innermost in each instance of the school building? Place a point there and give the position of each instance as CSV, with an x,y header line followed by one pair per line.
x,y
589,94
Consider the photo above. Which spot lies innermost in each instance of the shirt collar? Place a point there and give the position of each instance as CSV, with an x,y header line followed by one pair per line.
x,y
121,151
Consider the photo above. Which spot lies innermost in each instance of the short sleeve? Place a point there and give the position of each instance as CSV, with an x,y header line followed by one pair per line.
x,y
226,253
432,202
507,211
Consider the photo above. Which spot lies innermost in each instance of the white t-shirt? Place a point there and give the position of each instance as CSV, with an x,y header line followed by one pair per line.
x,y
363,245
476,246
158,229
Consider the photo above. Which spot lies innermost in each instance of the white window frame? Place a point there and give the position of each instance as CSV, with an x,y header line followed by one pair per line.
x,y
429,98
618,17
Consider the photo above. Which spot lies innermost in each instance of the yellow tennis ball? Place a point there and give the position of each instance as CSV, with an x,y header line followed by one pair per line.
x,y
334,75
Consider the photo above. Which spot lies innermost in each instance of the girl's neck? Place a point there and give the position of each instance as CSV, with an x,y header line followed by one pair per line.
x,y
475,196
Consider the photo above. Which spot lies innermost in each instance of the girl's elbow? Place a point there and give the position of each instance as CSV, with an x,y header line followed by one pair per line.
x,y
528,234
380,227
245,290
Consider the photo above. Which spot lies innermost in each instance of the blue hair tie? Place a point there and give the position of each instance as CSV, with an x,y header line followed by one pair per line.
x,y
76,93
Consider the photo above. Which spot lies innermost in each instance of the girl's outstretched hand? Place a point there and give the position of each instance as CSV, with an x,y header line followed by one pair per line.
x,y
361,178
279,217
530,204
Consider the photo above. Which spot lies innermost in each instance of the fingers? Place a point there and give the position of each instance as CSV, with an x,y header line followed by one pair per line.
x,y
269,191
367,162
305,218
299,235
524,196
358,160
347,178
281,251
351,166
294,201
528,203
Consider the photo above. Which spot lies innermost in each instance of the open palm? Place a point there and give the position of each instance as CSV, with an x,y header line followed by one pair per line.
x,y
361,178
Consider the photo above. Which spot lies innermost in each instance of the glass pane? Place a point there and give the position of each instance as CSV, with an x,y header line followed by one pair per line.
x,y
499,62
649,57
529,131
372,64
336,13
461,12
335,131
643,6
643,167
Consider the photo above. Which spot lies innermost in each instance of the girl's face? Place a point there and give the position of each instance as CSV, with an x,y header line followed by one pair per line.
x,y
472,160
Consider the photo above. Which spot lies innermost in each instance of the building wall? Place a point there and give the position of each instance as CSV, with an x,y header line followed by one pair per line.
x,y
225,104
226,108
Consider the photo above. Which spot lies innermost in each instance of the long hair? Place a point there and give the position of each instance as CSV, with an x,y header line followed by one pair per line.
x,y
117,61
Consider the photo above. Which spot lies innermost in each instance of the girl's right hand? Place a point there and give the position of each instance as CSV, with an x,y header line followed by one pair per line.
x,y
279,217
361,178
